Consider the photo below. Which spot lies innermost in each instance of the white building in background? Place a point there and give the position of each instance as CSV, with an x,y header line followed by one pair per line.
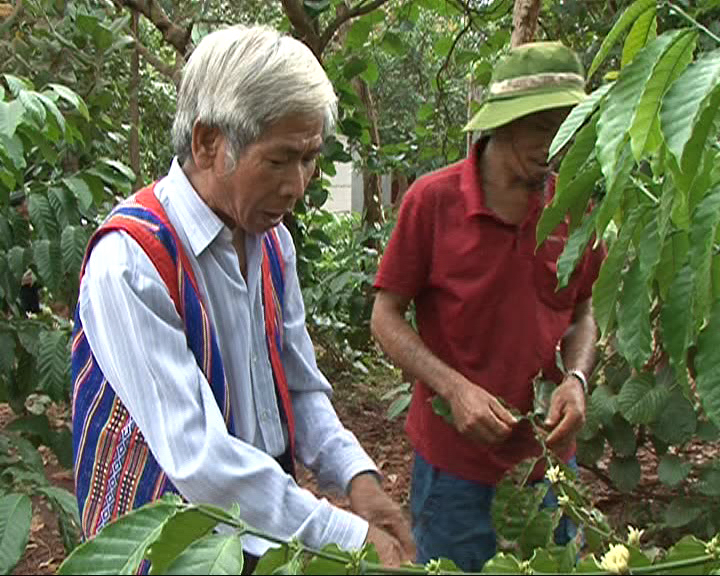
x,y
346,189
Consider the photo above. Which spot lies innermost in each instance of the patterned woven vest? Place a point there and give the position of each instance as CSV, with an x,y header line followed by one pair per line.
x,y
115,471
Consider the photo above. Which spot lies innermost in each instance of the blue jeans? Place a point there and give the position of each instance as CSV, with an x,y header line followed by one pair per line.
x,y
451,517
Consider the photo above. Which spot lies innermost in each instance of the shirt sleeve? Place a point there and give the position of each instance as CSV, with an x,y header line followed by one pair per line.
x,y
406,262
323,444
139,342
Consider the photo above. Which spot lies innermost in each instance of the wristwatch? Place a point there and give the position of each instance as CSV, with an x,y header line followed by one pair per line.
x,y
581,377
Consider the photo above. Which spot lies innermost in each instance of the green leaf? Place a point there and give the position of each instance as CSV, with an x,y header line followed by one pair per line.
x,y
631,13
215,554
72,98
621,435
620,107
17,84
604,403
371,73
650,249
15,518
318,565
688,548
72,243
11,114
33,106
634,333
63,499
52,109
642,31
615,189
710,480
41,216
606,288
393,44
574,250
641,400
273,559
7,352
672,469
685,102
47,256
566,195
577,117
677,422
125,171
625,473
441,407
681,512
676,318
538,531
398,406
120,546
54,364
81,191
647,116
177,534
704,226
502,563
354,66
707,363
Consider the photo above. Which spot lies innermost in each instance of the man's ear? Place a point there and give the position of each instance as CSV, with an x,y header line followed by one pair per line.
x,y
206,145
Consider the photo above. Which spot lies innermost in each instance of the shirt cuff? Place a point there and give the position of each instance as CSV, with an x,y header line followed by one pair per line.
x,y
355,465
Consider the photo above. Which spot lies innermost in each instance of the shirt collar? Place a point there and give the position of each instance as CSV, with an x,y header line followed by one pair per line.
x,y
472,190
200,224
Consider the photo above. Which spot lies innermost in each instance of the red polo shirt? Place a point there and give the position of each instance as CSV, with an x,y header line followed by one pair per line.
x,y
485,304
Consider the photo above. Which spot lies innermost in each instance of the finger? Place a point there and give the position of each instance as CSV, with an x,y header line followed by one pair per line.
x,y
401,530
502,414
568,425
557,404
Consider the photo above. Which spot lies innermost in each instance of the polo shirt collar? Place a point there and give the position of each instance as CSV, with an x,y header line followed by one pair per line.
x,y
472,190
200,224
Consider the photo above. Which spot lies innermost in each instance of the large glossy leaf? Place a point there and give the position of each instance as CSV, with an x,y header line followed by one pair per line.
x,y
621,436
707,364
72,98
641,400
81,191
616,188
604,403
647,116
7,351
625,473
54,364
643,30
685,102
42,217
179,532
47,256
215,554
704,226
688,548
574,250
619,110
672,469
634,332
681,512
575,163
72,243
11,114
502,563
606,288
632,13
650,248
676,317
120,546
676,424
577,118
15,518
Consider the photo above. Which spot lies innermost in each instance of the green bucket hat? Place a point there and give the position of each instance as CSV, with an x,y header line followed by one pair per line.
x,y
532,77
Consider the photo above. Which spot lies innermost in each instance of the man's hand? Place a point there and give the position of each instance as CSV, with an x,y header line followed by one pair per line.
x,y
567,414
389,529
479,414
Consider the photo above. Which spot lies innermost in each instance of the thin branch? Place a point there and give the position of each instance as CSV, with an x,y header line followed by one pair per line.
x,y
360,9
156,62
175,35
303,25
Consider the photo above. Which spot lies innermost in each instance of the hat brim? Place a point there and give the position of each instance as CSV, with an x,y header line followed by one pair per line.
x,y
498,112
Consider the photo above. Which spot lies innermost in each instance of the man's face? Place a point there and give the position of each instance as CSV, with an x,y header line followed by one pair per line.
x,y
270,175
527,141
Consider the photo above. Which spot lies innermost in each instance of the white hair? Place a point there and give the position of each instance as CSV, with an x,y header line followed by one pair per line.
x,y
242,79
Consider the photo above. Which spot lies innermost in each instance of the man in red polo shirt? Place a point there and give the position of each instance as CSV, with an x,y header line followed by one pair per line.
x,y
488,313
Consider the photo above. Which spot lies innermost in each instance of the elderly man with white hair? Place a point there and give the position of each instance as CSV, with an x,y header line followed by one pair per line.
x,y
193,371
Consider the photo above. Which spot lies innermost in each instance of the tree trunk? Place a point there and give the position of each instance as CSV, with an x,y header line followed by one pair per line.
x,y
135,107
525,21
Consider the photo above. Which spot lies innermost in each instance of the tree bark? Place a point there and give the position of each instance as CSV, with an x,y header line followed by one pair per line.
x,y
372,186
134,142
525,21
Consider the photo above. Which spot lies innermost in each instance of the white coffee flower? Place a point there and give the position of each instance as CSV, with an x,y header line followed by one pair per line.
x,y
634,535
563,500
616,559
555,475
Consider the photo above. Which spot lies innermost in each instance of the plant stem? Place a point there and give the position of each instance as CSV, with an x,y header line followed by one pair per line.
x,y
692,20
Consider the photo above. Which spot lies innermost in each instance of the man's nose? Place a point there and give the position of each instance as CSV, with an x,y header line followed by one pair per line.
x,y
296,181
